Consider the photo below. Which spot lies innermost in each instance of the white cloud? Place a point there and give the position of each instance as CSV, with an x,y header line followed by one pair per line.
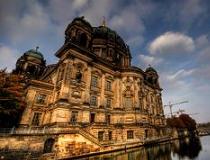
x,y
79,3
149,60
135,41
203,50
97,9
201,74
8,57
31,25
186,13
127,21
172,43
202,41
62,12
190,10
180,74
120,17
177,81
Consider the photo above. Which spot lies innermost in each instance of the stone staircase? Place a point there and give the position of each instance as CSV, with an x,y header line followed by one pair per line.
x,y
90,137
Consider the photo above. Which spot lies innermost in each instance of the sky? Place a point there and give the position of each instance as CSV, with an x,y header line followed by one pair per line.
x,y
171,36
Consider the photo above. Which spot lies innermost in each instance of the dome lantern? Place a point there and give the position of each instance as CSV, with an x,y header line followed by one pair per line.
x,y
151,76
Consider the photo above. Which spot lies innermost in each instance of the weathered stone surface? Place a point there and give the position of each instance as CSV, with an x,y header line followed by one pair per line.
x,y
91,100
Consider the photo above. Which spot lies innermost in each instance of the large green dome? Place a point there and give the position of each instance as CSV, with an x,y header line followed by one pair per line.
x,y
103,32
34,53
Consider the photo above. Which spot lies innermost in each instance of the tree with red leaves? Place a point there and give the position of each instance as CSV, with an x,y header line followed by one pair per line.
x,y
189,123
181,122
175,122
12,102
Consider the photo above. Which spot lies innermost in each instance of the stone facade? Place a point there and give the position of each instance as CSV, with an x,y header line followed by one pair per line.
x,y
94,92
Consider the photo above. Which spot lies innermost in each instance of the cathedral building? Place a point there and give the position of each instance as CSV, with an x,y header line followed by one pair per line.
x,y
93,96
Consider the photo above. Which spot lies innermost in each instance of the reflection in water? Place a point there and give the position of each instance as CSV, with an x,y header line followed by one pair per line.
x,y
158,152
188,148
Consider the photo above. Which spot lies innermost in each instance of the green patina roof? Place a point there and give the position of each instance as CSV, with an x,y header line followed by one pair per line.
x,y
104,31
34,53
107,33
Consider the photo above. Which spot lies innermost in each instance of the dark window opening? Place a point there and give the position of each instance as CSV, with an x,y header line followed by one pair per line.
x,y
108,119
40,99
94,81
150,80
83,40
100,135
36,119
78,76
108,85
104,53
48,145
93,101
74,115
130,134
146,133
92,117
110,135
31,70
108,102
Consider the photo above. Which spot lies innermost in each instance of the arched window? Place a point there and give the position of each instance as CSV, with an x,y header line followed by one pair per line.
x,y
78,76
31,69
48,145
83,40
128,102
128,98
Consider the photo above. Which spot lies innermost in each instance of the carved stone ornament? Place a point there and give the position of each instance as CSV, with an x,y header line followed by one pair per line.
x,y
76,94
128,92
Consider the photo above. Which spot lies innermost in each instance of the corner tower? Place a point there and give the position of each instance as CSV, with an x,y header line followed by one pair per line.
x,y
31,64
79,32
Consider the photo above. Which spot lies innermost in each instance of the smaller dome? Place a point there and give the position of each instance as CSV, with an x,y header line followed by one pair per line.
x,y
31,63
34,53
151,69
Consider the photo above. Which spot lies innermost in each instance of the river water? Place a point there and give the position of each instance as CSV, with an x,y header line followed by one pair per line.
x,y
187,149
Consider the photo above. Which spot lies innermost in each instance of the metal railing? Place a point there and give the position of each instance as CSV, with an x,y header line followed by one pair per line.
x,y
49,130
38,130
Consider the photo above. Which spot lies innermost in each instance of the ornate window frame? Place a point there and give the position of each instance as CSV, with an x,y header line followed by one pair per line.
x,y
36,119
94,100
41,98
130,134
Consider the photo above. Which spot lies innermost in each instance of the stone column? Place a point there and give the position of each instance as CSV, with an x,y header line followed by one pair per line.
x,y
136,99
102,97
63,93
117,93
88,81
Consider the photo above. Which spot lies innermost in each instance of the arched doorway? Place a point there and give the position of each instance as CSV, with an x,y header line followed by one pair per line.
x,y
48,145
